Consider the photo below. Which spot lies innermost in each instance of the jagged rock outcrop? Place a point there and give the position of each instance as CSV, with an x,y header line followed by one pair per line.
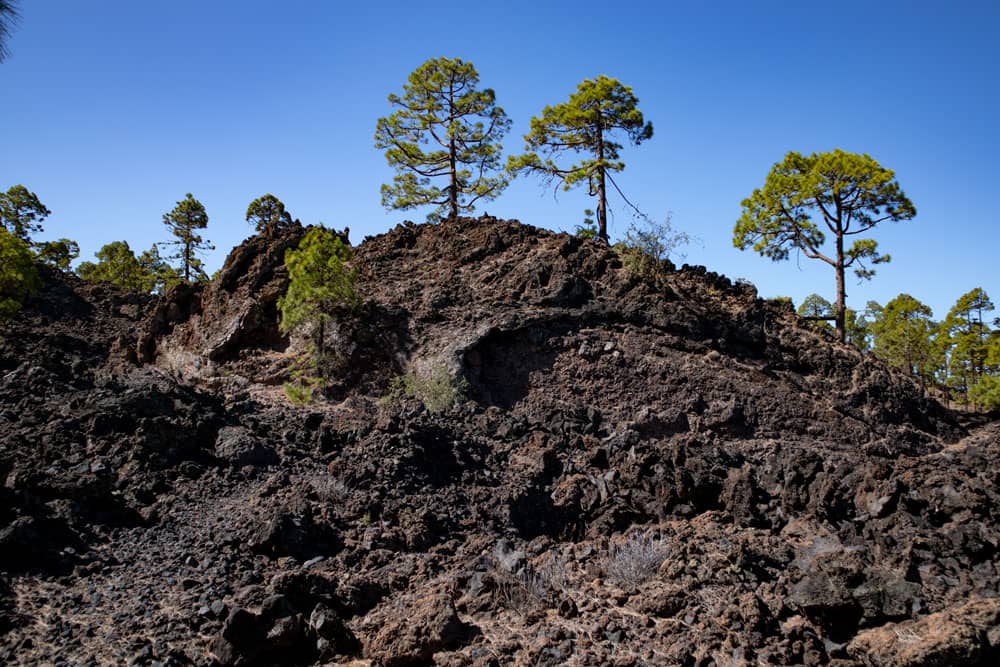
x,y
771,496
194,328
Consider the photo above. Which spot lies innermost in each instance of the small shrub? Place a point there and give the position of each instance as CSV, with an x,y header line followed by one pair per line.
x,y
648,245
303,387
298,394
636,560
521,591
530,588
309,372
330,489
437,391
714,599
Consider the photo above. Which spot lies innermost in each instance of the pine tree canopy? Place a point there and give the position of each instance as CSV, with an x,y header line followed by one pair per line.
x,y
445,130
806,197
59,253
22,213
184,221
18,276
268,213
600,110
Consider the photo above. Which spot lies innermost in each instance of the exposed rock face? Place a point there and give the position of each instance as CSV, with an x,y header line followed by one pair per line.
x,y
194,328
780,498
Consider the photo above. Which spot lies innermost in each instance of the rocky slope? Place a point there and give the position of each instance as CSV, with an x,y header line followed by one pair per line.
x,y
643,471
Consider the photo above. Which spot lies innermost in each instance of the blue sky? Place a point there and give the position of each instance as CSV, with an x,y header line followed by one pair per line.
x,y
113,110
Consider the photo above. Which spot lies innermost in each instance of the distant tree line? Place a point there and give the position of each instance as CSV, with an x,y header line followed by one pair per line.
x,y
21,218
957,356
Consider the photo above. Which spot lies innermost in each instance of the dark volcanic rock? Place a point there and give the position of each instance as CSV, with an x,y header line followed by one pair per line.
x,y
412,631
772,496
240,448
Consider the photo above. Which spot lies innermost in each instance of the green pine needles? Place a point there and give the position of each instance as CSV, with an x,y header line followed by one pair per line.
x,y
445,130
321,285
18,276
118,264
320,282
184,221
600,111
806,197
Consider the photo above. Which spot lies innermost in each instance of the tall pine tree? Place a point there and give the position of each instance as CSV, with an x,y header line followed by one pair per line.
x,y
967,337
184,221
445,130
902,337
806,197
600,110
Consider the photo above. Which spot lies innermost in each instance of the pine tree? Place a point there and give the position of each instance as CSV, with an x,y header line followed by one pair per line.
x,y
184,221
967,340
22,213
18,276
858,330
116,264
268,213
320,283
902,337
816,309
600,109
157,272
848,194
445,129
59,254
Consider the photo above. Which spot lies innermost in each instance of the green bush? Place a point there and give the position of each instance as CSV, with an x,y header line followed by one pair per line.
x,y
18,275
321,285
985,394
437,391
300,393
320,281
307,380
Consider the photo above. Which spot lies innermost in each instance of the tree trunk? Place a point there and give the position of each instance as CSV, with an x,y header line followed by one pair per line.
x,y
841,293
453,172
187,262
602,197
452,157
320,340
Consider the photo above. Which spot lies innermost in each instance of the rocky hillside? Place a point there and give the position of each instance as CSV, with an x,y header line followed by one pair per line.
x,y
643,470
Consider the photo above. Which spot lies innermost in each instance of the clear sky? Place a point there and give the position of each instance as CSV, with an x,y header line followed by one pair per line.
x,y
111,111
